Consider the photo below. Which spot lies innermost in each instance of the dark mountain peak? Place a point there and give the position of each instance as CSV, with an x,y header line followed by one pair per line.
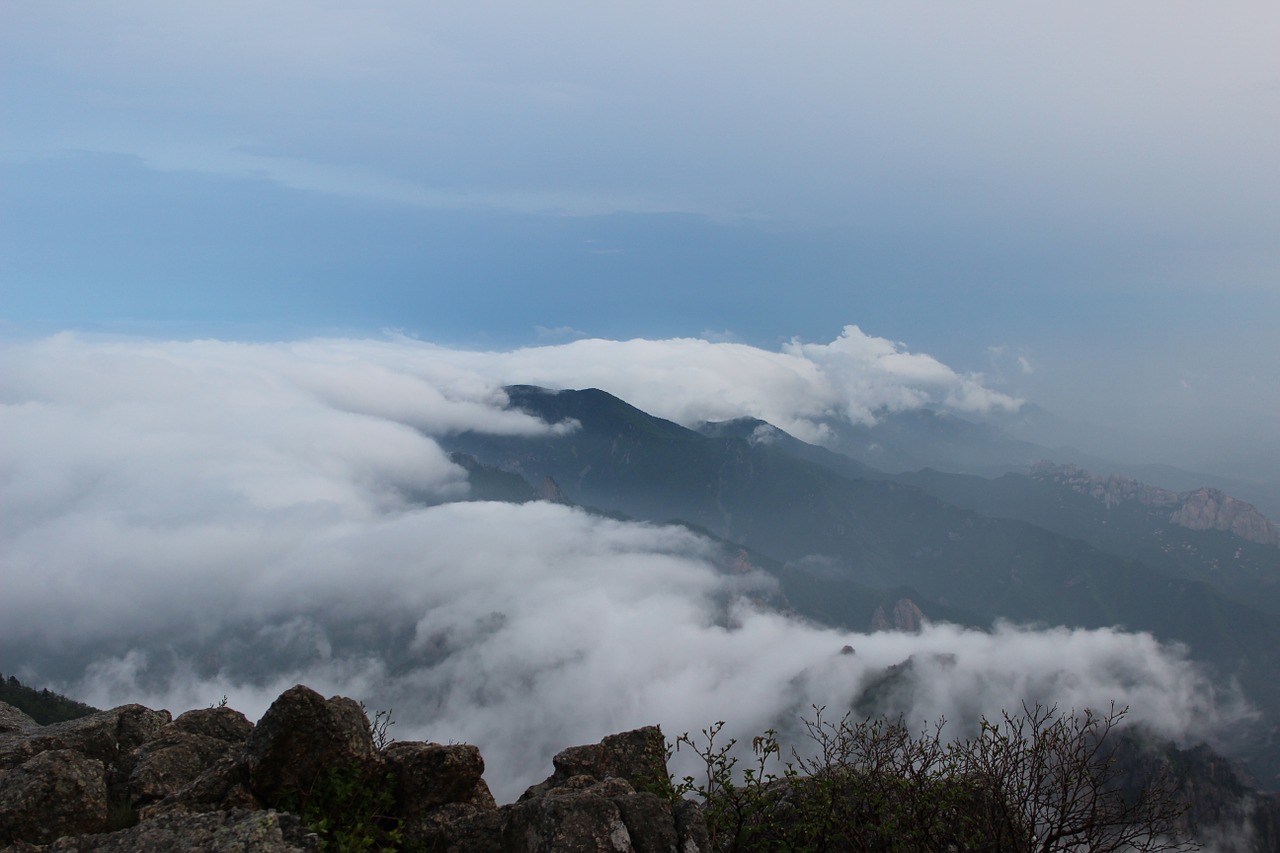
x,y
752,430
599,412
740,427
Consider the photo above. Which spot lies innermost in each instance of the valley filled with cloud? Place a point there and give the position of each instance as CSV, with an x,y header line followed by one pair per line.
x,y
187,520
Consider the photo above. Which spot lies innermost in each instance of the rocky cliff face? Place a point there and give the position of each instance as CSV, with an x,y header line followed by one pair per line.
x,y
1210,509
1202,509
906,616
1225,811
133,779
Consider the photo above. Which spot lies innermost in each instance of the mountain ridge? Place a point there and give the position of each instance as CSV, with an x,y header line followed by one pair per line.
x,y
837,535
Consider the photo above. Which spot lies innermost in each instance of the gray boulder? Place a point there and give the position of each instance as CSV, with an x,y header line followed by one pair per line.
x,y
208,780
430,775
691,828
623,770
638,756
219,832
650,821
580,816
224,786
457,828
301,736
173,760
14,721
54,793
225,724
108,736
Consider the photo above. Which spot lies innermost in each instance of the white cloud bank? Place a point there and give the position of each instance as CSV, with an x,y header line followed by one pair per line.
x,y
857,377
184,520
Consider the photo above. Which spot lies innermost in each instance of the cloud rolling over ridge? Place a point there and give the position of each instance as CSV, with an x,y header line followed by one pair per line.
x,y
183,520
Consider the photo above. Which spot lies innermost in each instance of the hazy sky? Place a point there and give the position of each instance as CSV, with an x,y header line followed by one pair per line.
x,y
255,258
1079,200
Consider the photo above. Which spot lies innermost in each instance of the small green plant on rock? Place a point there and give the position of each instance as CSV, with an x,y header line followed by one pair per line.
x,y
351,809
736,808
380,727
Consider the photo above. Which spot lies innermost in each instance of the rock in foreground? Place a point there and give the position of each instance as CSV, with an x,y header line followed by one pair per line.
x,y
132,779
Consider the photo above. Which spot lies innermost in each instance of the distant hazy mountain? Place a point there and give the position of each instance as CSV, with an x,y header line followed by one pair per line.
x,y
924,438
845,540
1014,441
1126,517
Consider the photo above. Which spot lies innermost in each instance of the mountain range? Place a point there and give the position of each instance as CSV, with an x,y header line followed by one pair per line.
x,y
858,543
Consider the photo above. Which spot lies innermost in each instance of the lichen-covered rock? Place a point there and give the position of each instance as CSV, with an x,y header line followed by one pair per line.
x,y
691,828
165,765
1210,509
108,736
638,756
457,828
14,721
54,793
649,821
576,817
204,782
220,832
429,775
301,736
223,786
625,770
225,724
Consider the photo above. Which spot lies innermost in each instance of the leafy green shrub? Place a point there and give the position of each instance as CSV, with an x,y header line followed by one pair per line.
x,y
120,811
350,807
1039,780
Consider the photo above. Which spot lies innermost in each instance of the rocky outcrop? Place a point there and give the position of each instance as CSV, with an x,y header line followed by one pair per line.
x,y
1210,509
637,757
551,491
430,775
238,831
300,737
108,736
1202,509
582,816
602,797
182,751
906,617
54,793
62,779
133,779
13,720
1225,810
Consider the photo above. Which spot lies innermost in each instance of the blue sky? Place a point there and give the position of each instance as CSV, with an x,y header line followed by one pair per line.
x,y
1079,201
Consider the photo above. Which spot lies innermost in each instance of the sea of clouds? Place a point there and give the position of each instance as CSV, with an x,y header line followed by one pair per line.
x,y
181,521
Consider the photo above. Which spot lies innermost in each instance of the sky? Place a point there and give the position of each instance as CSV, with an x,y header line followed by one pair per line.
x,y
1080,202
256,258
